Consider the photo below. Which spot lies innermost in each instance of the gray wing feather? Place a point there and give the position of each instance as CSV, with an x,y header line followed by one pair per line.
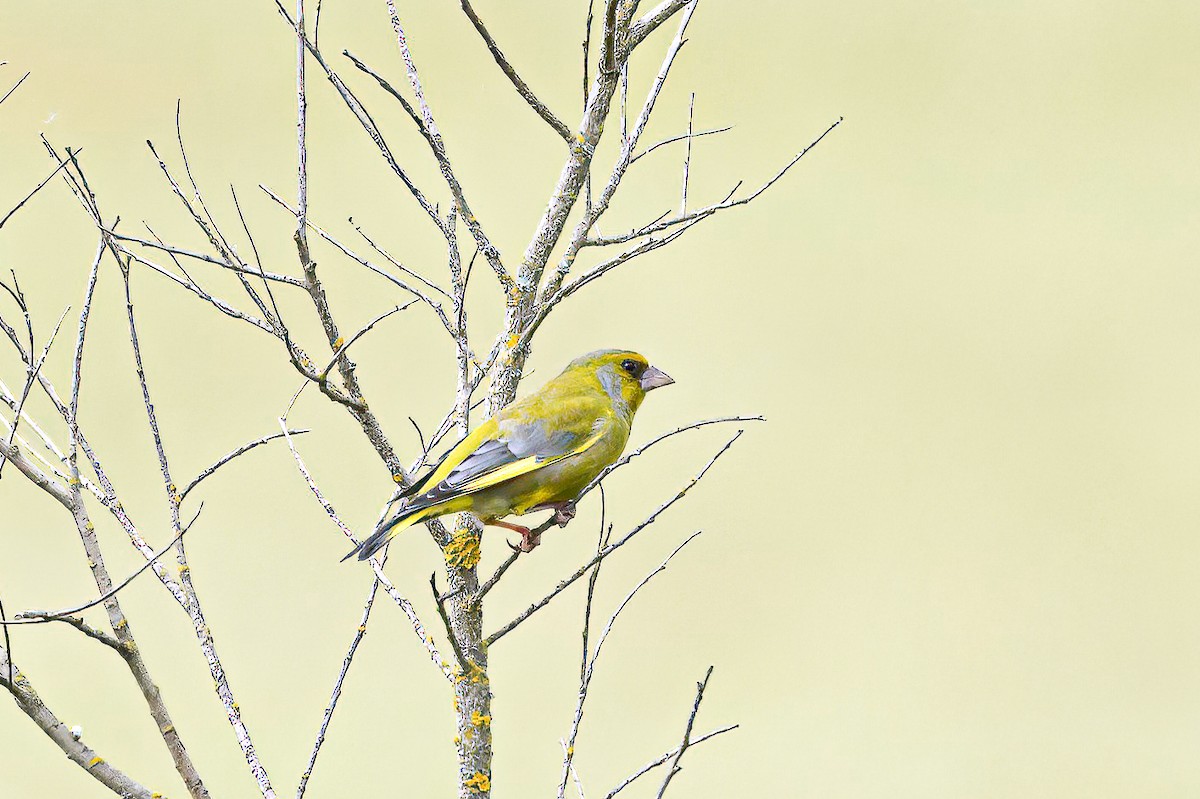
x,y
517,441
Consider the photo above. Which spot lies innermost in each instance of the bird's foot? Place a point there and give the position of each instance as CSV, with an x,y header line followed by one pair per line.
x,y
529,539
564,512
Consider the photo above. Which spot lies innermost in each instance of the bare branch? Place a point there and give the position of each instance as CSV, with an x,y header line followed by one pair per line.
x,y
567,753
673,769
33,370
390,259
439,603
404,605
36,189
429,130
359,633
639,30
15,86
682,137
628,145
358,259
511,73
364,119
664,436
687,159
608,550
43,616
208,259
89,631
192,605
589,669
72,746
653,764
322,377
609,54
229,457
200,292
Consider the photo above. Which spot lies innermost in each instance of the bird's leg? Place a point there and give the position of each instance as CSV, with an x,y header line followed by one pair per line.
x,y
529,539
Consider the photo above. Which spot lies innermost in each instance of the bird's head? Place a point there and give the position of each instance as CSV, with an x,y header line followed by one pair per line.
x,y
626,376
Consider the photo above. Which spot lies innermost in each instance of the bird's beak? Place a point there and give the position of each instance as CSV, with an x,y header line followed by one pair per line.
x,y
654,377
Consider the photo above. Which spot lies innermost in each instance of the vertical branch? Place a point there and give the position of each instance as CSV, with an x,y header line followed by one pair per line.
x,y
195,612
674,768
301,134
687,159
116,617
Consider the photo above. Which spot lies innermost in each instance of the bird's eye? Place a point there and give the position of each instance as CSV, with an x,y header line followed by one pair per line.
x,y
633,367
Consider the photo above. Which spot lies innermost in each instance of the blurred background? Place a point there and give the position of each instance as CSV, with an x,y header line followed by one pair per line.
x,y
959,559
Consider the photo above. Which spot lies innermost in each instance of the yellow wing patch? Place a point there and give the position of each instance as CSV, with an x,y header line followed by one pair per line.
x,y
523,466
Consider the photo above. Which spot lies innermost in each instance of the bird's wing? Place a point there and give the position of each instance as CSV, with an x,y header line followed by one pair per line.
x,y
509,450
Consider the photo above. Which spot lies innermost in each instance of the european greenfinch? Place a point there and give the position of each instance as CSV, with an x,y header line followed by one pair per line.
x,y
536,454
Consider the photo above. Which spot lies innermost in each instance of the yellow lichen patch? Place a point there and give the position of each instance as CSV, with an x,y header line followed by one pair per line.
x,y
512,341
95,761
338,342
479,719
475,673
462,551
479,782
397,478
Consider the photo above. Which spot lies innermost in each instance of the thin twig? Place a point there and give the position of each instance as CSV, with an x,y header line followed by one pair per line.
x,y
323,375
364,119
567,751
673,769
653,764
589,668
687,158
43,616
230,456
192,605
199,256
511,73
429,131
404,605
680,137
608,550
359,632
33,370
416,292
90,631
490,583
15,86
36,189
392,260
439,603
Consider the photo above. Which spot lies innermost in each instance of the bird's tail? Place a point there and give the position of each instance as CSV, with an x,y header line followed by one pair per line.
x,y
386,532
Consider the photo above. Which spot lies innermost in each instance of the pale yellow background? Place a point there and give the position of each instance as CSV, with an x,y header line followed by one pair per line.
x,y
960,560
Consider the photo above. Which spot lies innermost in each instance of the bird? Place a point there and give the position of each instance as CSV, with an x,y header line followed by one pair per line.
x,y
536,454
